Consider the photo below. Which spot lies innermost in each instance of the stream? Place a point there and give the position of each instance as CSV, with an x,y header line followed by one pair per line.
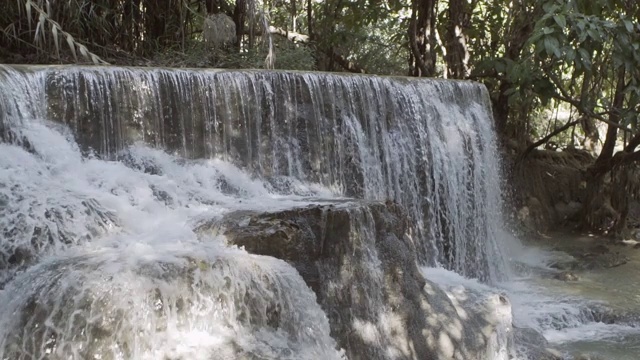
x,y
598,315
612,292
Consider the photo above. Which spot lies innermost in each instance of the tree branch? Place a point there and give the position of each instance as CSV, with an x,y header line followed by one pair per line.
x,y
557,131
633,143
348,65
413,42
564,96
291,36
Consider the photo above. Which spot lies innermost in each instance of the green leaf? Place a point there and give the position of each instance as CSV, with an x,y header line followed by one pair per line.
x,y
547,30
560,20
552,46
584,54
550,7
535,37
629,25
511,91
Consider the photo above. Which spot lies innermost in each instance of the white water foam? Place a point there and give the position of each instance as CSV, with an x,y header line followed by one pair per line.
x,y
428,145
120,272
545,305
106,223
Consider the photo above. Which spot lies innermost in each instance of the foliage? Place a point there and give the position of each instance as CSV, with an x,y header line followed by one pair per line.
x,y
535,57
557,70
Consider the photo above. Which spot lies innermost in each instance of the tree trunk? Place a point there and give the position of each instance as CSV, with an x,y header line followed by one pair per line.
x,y
310,20
239,15
607,212
422,38
294,11
213,6
588,124
457,58
520,29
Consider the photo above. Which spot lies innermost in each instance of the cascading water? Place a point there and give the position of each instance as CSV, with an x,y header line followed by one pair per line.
x,y
363,137
98,258
105,173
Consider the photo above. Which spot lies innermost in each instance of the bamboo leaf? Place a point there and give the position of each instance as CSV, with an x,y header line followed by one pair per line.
x,y
72,46
54,33
11,29
28,7
40,28
83,51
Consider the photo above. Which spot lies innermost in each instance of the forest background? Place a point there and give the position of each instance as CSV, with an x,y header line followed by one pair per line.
x,y
563,75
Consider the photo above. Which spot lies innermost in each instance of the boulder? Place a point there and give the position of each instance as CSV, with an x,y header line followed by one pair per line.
x,y
597,257
590,261
532,345
360,260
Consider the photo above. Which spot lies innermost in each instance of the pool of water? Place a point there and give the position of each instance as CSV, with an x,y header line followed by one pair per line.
x,y
598,315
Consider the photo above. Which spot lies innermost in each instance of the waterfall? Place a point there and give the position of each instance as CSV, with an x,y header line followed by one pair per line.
x,y
106,174
427,144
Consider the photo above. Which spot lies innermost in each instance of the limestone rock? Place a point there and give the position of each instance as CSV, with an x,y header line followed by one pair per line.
x,y
361,264
597,257
591,261
533,345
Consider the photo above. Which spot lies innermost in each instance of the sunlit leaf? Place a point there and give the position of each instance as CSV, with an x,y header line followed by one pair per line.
x,y
83,51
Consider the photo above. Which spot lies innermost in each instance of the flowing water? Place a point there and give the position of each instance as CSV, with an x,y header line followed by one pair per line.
x,y
105,173
598,315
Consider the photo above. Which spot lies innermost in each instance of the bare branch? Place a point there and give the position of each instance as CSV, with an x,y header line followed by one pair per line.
x,y
564,96
557,131
291,36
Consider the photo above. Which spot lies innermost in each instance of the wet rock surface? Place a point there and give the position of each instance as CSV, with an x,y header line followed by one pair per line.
x,y
361,264
597,257
533,345
89,307
595,261
566,276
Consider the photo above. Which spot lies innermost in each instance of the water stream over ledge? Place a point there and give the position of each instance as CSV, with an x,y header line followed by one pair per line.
x,y
182,214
